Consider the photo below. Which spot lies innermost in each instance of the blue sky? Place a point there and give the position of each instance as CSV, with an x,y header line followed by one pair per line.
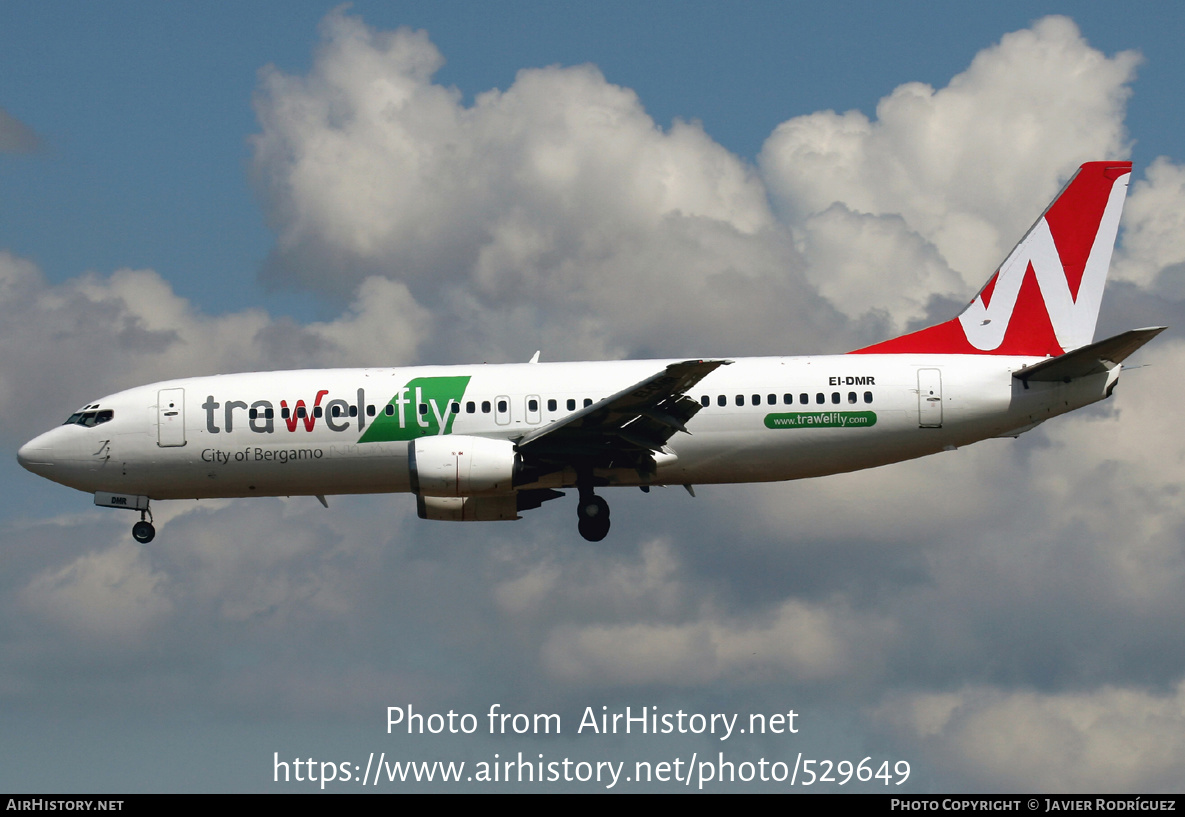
x,y
215,188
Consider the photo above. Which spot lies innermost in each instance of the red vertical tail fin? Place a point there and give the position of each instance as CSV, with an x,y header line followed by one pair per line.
x,y
1044,299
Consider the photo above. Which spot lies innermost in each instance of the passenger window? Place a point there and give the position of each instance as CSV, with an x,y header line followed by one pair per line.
x,y
503,405
353,411
253,414
337,411
369,411
705,401
532,405
470,407
820,398
270,414
485,406
571,404
757,399
300,412
851,397
552,405
804,398
834,397
740,398
772,399
317,411
455,407
285,412
788,399
867,397
721,400
423,408
587,402
389,410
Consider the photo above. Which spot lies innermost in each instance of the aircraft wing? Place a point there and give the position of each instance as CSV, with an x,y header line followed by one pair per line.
x,y
624,429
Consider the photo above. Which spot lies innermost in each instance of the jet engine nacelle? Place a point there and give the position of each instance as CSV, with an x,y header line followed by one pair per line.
x,y
461,466
468,508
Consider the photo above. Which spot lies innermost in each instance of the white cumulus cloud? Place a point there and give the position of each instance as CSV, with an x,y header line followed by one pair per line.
x,y
555,210
967,167
1113,739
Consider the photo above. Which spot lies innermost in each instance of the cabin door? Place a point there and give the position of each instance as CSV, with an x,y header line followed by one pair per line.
x,y
170,418
930,398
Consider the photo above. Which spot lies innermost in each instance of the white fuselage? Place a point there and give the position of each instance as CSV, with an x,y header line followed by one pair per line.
x,y
763,419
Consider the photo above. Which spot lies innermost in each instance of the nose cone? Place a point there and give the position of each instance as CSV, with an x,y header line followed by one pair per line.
x,y
59,456
37,456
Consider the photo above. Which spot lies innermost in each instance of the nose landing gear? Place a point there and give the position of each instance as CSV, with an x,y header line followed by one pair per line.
x,y
143,531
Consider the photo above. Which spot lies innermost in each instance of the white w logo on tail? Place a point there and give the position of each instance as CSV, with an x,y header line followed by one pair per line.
x,y
1073,318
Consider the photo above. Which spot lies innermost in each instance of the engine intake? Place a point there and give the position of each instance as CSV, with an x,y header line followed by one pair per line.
x,y
457,465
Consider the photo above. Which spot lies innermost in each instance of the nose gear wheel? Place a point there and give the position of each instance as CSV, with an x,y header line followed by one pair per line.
x,y
144,531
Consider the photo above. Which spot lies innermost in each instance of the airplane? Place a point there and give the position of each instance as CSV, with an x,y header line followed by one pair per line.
x,y
487,442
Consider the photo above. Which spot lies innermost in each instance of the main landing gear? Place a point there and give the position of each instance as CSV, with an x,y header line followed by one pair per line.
x,y
593,512
143,531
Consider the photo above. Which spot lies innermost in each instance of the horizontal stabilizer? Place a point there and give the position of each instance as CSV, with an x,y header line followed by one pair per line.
x,y
1097,358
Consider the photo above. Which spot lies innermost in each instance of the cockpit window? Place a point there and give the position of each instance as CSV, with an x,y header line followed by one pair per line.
x,y
90,418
